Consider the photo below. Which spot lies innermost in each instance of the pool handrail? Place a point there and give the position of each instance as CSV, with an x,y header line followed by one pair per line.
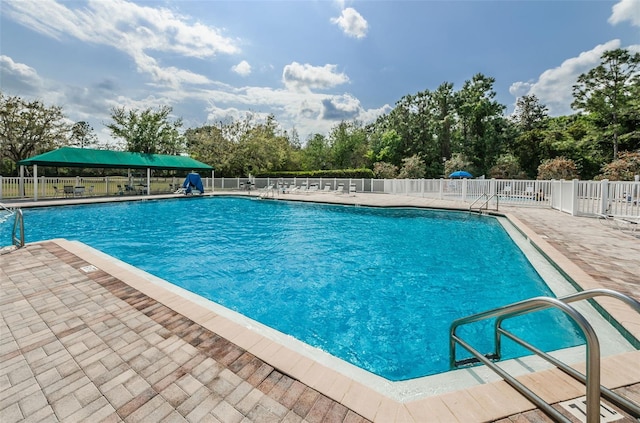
x,y
592,378
18,225
485,204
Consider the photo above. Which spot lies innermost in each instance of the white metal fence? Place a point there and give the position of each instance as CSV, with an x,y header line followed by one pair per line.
x,y
618,198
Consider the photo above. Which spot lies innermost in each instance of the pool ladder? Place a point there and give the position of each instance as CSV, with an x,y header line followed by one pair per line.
x,y
592,378
485,204
17,235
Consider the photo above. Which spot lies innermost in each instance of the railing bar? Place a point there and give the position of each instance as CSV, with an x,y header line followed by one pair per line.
x,y
593,346
609,394
528,393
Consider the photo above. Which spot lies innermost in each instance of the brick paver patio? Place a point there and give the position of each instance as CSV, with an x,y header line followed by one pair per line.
x,y
78,344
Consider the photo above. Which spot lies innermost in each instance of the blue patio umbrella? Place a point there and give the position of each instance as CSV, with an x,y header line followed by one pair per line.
x,y
460,174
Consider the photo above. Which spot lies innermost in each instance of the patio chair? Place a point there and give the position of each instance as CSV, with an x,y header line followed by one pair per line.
x,y
90,190
69,191
352,189
56,191
339,189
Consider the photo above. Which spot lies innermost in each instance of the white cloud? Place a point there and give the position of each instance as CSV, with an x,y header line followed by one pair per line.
x,y
554,86
345,107
243,68
19,72
136,30
352,23
625,10
305,77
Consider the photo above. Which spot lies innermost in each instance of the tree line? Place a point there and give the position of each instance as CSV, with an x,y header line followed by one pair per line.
x,y
427,134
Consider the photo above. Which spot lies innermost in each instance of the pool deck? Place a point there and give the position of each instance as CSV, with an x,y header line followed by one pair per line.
x,y
84,338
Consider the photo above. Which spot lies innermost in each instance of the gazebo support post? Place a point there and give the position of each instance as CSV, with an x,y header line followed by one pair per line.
x,y
148,181
35,182
21,182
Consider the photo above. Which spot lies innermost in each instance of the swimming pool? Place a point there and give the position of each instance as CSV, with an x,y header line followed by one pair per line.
x,y
375,287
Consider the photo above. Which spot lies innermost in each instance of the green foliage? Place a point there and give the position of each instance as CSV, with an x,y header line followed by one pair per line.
x,y
28,128
384,170
384,147
558,168
412,168
507,167
624,168
348,146
316,153
148,131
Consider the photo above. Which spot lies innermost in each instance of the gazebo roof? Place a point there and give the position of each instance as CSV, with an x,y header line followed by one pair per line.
x,y
90,158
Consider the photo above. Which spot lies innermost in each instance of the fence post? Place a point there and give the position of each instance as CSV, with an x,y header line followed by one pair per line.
x,y
464,190
574,197
604,196
0,187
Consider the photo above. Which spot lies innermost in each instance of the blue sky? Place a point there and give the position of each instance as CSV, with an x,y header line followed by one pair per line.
x,y
309,63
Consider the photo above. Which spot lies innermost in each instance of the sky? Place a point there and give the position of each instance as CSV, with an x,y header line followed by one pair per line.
x,y
311,64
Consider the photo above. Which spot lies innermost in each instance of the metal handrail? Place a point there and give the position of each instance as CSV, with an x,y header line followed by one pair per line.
x,y
18,225
592,378
486,203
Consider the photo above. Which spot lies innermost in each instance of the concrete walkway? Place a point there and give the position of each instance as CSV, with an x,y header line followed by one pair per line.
x,y
79,344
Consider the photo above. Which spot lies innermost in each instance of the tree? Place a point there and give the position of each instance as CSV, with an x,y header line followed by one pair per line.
x,y
348,146
530,118
209,145
82,135
315,154
148,131
605,92
480,120
29,128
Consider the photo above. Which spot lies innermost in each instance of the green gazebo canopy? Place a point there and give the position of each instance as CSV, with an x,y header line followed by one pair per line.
x,y
90,158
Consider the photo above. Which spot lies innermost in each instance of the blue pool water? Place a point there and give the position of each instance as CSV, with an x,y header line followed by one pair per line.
x,y
375,287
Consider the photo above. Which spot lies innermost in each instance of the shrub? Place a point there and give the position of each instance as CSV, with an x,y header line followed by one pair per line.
x,y
412,168
623,169
384,170
558,168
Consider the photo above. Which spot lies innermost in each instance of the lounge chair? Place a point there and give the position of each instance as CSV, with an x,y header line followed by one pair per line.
x,y
293,188
56,191
326,189
266,191
352,189
630,223
339,189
